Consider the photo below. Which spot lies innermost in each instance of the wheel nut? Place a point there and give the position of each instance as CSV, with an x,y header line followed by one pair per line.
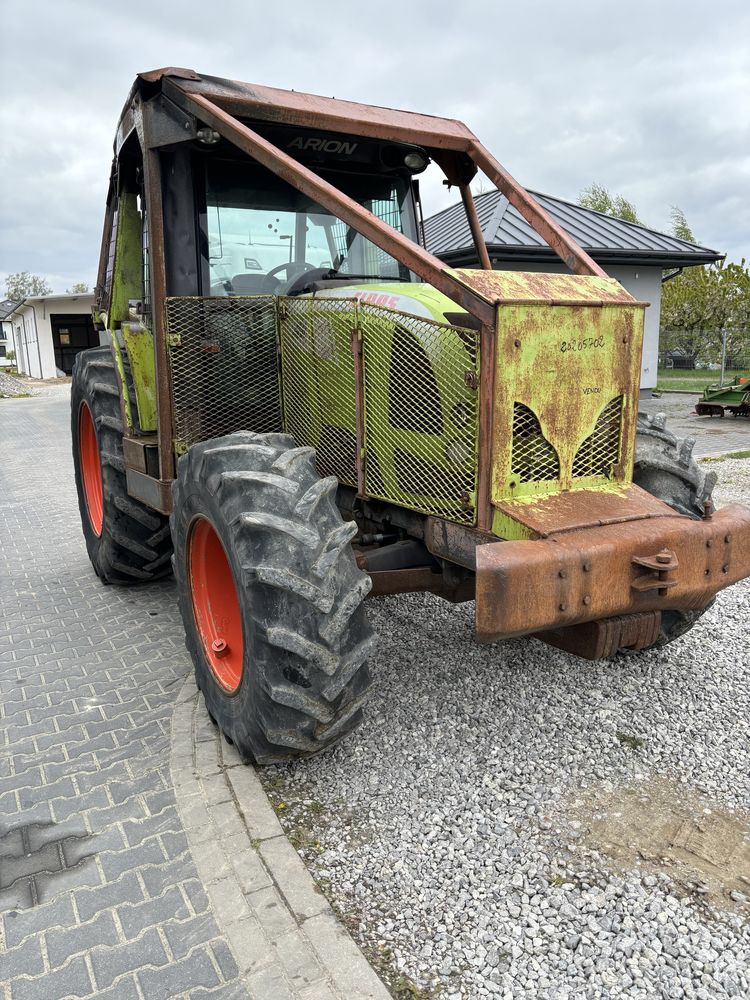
x,y
587,599
219,648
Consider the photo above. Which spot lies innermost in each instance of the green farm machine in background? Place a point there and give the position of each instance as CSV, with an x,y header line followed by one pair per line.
x,y
295,406
733,397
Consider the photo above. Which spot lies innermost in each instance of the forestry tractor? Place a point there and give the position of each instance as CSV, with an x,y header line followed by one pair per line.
x,y
296,405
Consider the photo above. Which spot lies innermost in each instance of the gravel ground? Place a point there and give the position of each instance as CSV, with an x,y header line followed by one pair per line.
x,y
14,385
11,385
510,821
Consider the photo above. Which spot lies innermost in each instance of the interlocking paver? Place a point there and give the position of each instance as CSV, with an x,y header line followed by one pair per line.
x,y
110,963
62,942
71,980
195,970
88,679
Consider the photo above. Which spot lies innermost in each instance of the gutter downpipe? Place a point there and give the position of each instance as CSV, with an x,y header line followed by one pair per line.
x,y
38,348
25,340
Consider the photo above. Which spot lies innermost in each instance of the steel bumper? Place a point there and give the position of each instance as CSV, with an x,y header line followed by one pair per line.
x,y
590,574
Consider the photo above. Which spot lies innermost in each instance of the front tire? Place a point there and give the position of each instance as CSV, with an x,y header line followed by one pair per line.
x,y
665,468
127,542
270,595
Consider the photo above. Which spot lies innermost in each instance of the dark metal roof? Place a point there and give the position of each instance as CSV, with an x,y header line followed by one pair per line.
x,y
6,308
510,237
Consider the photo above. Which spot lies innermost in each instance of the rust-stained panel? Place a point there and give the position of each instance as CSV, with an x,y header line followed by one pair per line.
x,y
554,514
540,287
562,367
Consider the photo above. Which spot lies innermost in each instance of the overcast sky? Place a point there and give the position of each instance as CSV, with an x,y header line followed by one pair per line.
x,y
651,99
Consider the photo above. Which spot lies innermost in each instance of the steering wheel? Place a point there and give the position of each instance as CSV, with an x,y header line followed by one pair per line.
x,y
294,267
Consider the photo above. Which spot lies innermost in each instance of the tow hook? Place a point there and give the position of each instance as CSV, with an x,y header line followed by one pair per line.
x,y
658,578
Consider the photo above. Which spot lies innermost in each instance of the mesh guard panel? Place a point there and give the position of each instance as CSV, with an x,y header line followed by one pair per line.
x,y
421,416
600,451
534,458
239,363
223,358
318,381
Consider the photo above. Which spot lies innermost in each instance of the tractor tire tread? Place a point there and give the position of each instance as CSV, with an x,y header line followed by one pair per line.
x,y
135,545
311,640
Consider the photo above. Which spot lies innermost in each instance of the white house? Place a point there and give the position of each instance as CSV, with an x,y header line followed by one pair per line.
x,y
49,330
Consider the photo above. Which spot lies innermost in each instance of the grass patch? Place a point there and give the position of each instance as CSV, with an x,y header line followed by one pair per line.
x,y
632,742
745,453
668,379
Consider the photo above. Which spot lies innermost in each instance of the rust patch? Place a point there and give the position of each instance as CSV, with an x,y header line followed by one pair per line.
x,y
557,513
548,289
586,575
664,827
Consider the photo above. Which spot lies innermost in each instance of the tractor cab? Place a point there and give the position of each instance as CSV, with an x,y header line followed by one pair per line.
x,y
256,234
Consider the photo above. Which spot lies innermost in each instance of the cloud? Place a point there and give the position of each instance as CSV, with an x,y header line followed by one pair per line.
x,y
647,99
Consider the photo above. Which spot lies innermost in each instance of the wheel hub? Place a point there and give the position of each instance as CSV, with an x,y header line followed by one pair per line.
x,y
216,606
91,469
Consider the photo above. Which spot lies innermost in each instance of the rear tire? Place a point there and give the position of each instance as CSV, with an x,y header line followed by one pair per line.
x,y
259,540
665,468
127,542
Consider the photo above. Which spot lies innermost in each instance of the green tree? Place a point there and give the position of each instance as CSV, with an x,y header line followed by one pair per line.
x,y
701,303
78,288
22,285
599,199
680,227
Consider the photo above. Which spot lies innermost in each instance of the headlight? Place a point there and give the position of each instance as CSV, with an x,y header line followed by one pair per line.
x,y
416,162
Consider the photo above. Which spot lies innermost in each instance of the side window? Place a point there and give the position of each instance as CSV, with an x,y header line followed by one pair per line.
x,y
146,271
110,258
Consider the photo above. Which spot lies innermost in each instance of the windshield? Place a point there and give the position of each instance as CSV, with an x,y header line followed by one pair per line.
x,y
256,223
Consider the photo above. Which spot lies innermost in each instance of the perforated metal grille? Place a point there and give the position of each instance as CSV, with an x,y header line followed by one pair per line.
x,y
224,366
600,451
318,381
534,459
420,412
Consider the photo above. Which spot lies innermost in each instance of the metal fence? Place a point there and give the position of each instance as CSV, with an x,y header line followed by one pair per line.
x,y
720,354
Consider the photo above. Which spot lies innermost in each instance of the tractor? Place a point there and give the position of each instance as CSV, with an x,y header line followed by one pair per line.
x,y
295,406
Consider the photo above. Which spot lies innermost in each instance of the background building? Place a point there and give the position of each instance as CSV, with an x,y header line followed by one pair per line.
x,y
48,332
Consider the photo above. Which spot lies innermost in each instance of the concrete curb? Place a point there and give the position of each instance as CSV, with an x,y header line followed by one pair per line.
x,y
284,935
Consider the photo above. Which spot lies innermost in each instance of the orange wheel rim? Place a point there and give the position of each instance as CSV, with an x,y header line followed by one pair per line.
x,y
216,607
91,469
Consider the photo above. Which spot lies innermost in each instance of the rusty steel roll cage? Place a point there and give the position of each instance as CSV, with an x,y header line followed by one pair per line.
x,y
220,104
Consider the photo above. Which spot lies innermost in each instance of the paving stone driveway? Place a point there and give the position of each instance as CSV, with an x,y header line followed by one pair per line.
x,y
98,891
